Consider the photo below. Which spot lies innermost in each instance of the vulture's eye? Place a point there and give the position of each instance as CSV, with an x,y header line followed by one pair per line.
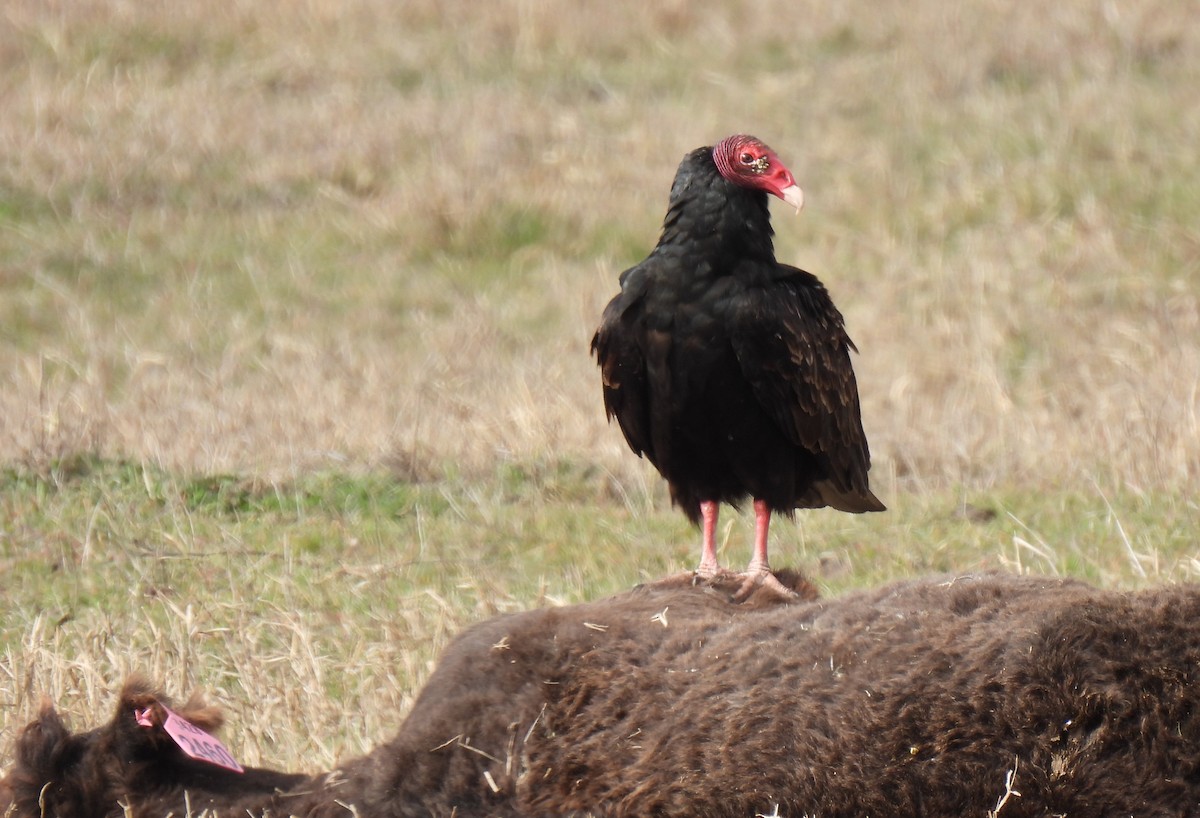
x,y
755,164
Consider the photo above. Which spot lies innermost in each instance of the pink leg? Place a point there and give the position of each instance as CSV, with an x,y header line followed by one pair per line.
x,y
762,521
709,567
758,572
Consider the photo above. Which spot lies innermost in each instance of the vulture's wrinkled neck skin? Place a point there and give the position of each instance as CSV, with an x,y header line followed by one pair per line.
x,y
717,217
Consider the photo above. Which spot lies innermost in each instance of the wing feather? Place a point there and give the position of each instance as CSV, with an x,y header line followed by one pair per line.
x,y
791,344
618,347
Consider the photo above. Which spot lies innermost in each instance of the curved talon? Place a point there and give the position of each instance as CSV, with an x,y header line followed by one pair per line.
x,y
756,578
740,586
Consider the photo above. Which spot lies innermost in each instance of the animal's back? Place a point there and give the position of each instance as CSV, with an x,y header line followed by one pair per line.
x,y
913,699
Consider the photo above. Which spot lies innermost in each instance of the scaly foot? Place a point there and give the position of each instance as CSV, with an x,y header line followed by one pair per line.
x,y
757,577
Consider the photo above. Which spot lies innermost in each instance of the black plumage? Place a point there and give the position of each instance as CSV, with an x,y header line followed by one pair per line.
x,y
730,371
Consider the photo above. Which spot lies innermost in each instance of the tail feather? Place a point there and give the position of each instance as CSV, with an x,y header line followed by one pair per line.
x,y
855,502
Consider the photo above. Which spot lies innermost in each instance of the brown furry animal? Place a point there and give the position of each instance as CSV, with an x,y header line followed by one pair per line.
x,y
67,775
941,697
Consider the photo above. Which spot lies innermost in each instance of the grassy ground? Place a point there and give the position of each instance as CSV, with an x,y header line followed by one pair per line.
x,y
295,302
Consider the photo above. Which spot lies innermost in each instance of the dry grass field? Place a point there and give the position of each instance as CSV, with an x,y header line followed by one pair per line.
x,y
295,300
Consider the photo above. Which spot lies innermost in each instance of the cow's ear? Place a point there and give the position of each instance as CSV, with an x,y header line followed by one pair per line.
x,y
208,718
137,729
141,701
137,690
44,751
146,706
39,741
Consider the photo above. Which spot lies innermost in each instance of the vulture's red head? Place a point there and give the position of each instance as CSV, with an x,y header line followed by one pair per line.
x,y
746,161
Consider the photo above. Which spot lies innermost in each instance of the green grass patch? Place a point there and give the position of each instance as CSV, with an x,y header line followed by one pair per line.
x,y
84,521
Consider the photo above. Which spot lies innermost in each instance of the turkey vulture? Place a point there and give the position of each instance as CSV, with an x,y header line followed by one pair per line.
x,y
728,370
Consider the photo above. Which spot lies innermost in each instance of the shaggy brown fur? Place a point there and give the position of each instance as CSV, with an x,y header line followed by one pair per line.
x,y
60,775
919,698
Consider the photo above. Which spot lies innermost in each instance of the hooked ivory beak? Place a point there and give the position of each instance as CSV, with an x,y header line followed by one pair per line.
x,y
793,195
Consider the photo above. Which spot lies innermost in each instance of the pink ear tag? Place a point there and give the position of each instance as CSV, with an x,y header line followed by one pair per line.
x,y
192,740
